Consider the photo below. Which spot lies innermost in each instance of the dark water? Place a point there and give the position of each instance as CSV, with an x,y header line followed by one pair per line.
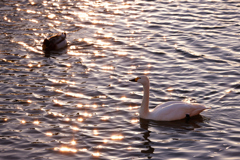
x,y
79,104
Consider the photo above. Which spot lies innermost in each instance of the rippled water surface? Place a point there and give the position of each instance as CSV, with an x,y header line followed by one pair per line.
x,y
79,104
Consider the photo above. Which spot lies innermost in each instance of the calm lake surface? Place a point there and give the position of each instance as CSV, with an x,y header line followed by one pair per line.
x,y
78,103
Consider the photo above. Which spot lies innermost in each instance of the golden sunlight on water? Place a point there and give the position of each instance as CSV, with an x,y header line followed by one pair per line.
x,y
117,137
105,141
95,132
96,154
36,122
133,107
23,121
68,119
73,142
146,72
130,72
79,105
83,149
61,81
75,53
121,53
75,128
58,102
49,133
123,98
66,149
25,45
105,118
98,54
30,65
78,102
78,95
107,67
29,101
80,119
134,120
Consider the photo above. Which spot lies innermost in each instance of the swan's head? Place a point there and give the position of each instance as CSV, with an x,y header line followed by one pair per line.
x,y
142,79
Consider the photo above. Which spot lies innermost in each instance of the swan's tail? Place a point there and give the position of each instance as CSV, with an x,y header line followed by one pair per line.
x,y
198,108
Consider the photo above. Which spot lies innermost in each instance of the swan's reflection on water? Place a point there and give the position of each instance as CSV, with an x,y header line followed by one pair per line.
x,y
144,124
173,127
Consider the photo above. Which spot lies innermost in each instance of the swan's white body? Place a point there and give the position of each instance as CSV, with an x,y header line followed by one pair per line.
x,y
170,111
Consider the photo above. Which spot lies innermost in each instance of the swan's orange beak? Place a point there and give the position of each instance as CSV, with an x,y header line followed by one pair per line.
x,y
134,80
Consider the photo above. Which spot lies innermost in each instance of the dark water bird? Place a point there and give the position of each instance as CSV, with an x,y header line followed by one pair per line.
x,y
169,111
54,43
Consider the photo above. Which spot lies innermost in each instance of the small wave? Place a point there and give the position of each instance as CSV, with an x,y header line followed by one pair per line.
x,y
188,53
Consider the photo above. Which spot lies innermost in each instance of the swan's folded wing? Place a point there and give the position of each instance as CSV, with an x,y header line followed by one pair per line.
x,y
172,112
175,111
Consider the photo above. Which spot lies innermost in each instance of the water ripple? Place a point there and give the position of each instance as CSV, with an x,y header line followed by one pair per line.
x,y
78,103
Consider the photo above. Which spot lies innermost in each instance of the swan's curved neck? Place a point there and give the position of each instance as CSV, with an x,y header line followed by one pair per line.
x,y
144,110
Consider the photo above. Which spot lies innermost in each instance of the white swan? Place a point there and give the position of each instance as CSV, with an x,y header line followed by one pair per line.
x,y
169,111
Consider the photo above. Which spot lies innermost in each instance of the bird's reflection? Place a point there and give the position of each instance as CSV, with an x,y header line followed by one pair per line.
x,y
144,124
184,125
55,53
